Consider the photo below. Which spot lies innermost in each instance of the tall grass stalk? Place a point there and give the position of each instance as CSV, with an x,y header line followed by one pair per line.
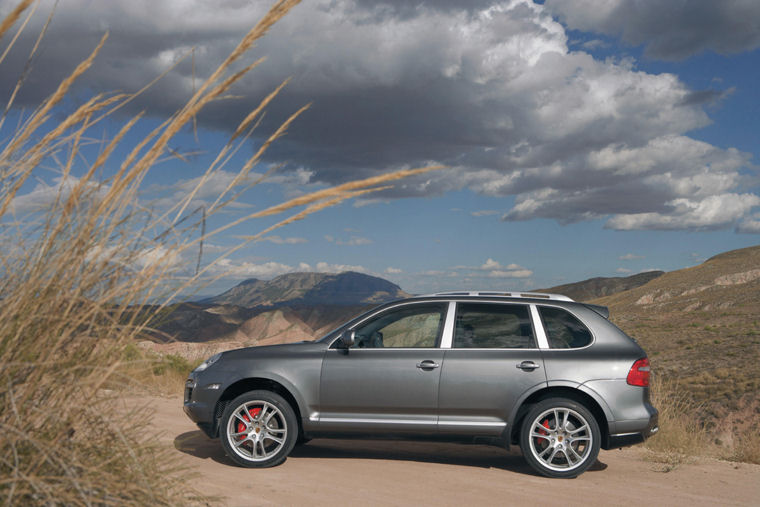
x,y
72,273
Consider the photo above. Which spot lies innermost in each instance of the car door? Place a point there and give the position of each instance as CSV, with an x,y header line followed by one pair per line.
x,y
388,380
493,360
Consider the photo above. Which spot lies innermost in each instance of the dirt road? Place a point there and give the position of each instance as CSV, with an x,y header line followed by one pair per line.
x,y
333,472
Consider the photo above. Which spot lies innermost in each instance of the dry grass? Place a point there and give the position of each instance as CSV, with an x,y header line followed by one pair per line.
x,y
682,434
71,271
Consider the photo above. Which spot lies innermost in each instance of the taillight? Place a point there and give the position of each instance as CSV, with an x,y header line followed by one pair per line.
x,y
639,374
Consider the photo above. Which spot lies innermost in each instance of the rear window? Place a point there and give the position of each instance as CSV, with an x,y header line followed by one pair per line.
x,y
563,329
493,326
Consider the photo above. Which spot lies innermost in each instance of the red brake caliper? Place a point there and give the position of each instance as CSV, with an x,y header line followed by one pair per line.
x,y
241,426
545,424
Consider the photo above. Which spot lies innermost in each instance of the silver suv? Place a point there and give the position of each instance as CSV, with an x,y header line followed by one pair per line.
x,y
552,375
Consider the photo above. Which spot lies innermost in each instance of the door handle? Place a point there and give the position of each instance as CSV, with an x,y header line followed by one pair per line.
x,y
427,365
528,366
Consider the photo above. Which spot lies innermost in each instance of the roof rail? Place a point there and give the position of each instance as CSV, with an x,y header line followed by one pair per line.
x,y
531,295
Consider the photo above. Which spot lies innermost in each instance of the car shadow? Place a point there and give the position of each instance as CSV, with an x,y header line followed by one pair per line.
x,y
197,444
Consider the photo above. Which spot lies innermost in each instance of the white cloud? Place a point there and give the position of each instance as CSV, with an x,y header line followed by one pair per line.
x,y
623,271
484,213
710,213
277,240
353,241
750,225
630,257
42,196
242,269
490,264
517,273
393,271
325,267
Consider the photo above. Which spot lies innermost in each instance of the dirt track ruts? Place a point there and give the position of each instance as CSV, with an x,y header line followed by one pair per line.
x,y
343,472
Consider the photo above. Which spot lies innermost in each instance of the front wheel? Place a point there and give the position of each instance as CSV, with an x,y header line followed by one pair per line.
x,y
560,438
258,429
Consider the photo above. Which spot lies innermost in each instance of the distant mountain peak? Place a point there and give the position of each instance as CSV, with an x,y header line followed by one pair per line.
x,y
309,288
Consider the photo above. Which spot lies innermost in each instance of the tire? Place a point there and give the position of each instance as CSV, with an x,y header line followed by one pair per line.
x,y
302,440
561,451
258,429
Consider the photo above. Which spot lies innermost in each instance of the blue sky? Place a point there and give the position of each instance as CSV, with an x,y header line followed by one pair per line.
x,y
581,139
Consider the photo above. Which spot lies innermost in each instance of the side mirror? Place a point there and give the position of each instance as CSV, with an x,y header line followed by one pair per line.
x,y
347,339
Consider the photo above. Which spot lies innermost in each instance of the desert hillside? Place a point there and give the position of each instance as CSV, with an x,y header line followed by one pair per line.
x,y
593,288
701,328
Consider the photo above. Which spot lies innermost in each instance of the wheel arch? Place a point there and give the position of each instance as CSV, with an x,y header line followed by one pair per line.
x,y
577,394
251,384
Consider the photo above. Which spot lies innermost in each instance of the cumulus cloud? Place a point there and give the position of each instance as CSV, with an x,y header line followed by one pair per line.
x,y
713,212
277,240
353,241
490,89
494,269
326,267
485,213
243,269
43,195
668,30
750,225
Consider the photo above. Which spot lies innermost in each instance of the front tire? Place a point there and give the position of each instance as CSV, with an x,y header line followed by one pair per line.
x,y
258,429
560,438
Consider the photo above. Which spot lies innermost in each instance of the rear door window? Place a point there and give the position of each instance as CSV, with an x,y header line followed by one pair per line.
x,y
563,329
493,326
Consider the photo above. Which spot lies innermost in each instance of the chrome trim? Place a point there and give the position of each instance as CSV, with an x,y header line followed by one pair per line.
x,y
447,338
538,326
410,421
375,421
625,434
473,423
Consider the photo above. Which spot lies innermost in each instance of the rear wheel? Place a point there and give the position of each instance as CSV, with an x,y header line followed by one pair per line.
x,y
560,438
258,429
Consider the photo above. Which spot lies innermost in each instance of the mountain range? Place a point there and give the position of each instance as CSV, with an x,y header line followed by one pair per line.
x,y
308,289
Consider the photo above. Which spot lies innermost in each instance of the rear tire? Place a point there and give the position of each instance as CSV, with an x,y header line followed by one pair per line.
x,y
258,429
560,438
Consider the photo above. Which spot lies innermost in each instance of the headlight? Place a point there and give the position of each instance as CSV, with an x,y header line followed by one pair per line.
x,y
208,362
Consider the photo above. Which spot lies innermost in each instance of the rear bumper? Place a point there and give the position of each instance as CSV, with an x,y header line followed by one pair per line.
x,y
649,427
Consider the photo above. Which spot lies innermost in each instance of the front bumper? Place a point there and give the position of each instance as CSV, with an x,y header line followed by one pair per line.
x,y
200,404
